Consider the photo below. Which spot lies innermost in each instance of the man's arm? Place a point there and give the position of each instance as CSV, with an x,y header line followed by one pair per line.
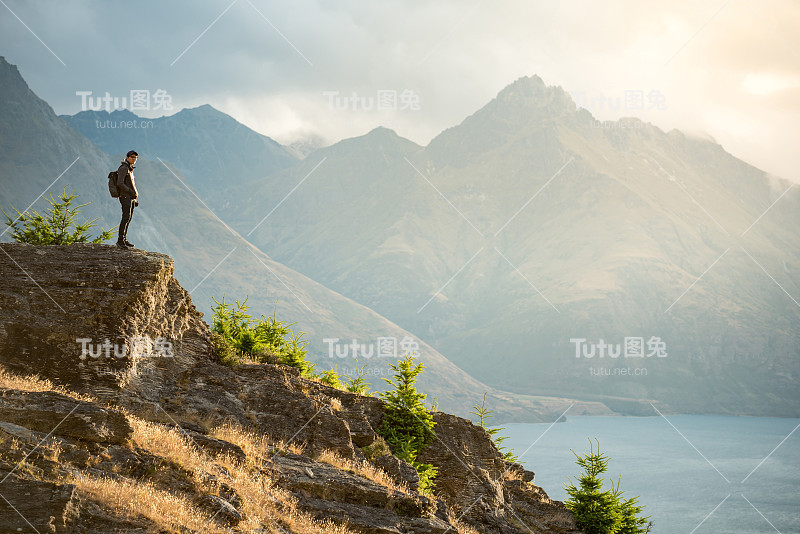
x,y
122,182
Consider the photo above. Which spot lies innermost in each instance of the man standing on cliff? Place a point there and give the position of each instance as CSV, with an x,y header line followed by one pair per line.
x,y
128,197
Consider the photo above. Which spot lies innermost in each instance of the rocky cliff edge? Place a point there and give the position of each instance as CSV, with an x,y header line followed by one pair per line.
x,y
115,418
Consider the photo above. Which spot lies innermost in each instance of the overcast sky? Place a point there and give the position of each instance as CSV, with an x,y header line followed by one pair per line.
x,y
729,69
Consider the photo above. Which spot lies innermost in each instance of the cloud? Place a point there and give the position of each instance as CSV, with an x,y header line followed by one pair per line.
x,y
728,69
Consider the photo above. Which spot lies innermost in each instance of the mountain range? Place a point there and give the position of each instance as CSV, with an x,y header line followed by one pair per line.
x,y
41,153
514,245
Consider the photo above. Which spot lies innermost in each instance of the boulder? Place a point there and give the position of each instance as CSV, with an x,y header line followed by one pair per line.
x,y
401,471
51,412
222,511
34,504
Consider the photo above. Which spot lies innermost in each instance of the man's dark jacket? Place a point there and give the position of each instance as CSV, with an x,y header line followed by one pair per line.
x,y
125,182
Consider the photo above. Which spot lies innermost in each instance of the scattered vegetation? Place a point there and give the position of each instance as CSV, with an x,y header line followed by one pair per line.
x,y
483,414
144,499
57,226
356,383
238,338
407,424
263,503
598,510
376,449
331,378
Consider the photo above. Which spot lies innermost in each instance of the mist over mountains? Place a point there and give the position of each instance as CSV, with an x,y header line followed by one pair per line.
x,y
212,259
527,234
531,226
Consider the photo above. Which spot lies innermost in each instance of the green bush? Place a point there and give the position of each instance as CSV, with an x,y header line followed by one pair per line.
x,y
630,510
376,449
331,378
483,414
57,226
601,511
222,350
238,338
407,425
356,383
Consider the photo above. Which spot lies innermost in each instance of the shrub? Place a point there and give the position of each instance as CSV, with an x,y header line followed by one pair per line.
x,y
599,511
483,414
376,449
57,226
407,425
630,509
238,338
356,383
222,350
331,378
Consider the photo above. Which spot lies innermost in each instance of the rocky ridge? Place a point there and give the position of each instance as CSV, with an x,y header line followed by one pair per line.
x,y
98,442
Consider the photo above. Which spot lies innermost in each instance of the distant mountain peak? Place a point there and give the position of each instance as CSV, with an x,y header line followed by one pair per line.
x,y
5,64
204,111
532,92
385,137
205,108
382,131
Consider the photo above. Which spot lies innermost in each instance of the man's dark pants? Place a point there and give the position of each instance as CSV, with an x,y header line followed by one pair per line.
x,y
127,213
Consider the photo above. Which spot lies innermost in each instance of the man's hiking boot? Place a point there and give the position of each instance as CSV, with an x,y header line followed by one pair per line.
x,y
128,244
121,244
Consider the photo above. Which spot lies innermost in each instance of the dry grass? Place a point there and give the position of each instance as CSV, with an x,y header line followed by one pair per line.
x,y
170,512
364,469
51,450
511,474
256,446
462,528
168,443
263,503
33,383
259,448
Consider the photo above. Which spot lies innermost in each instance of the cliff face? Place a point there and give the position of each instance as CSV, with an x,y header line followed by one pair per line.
x,y
138,429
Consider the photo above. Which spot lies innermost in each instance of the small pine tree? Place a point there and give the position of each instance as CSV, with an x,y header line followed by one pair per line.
x,y
630,509
405,415
596,510
599,511
331,378
407,425
238,338
57,226
356,383
483,413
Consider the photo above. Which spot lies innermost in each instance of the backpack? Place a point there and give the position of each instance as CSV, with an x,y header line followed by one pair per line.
x,y
112,184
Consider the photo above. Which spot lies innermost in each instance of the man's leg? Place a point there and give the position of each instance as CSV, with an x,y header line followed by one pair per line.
x,y
127,211
130,216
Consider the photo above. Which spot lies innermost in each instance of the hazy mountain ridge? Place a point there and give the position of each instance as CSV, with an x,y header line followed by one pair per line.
x,y
203,142
530,224
611,222
212,260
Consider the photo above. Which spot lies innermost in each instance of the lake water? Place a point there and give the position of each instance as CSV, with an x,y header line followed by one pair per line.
x,y
701,476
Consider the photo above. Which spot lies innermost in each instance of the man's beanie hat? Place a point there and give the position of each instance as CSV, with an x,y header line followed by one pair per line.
x,y
132,153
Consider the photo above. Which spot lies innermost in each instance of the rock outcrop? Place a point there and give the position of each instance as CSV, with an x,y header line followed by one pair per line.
x,y
81,316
